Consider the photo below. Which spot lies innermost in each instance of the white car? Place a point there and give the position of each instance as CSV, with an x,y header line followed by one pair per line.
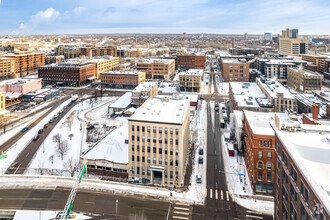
x,y
198,179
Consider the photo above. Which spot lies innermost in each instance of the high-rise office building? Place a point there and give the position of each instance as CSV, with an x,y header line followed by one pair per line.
x,y
291,45
268,36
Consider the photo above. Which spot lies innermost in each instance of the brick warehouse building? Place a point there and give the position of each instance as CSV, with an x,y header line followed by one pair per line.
x,y
67,73
191,61
302,188
259,151
234,70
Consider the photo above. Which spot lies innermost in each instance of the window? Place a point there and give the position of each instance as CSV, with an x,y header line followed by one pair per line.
x,y
154,160
154,130
176,141
165,140
269,144
137,128
171,131
269,155
148,172
165,172
160,161
142,148
160,130
176,163
132,157
132,137
171,152
132,127
148,139
260,144
154,140
171,174
269,166
143,139
165,161
177,131
143,159
160,140
142,128
148,149
171,162
165,151
260,154
176,152
137,148
148,160
160,150
154,150
138,158
259,176
148,129
269,176
259,165
165,130
133,148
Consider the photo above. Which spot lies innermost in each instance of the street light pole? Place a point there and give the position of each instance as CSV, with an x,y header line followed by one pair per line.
x,y
169,209
116,208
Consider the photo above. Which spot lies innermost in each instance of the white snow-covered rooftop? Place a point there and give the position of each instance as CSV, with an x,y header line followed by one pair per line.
x,y
307,72
123,72
310,149
260,122
13,95
144,87
231,61
19,81
192,72
163,110
273,88
112,148
123,102
248,95
154,60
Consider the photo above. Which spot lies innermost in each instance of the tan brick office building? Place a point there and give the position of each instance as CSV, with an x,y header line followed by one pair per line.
x,y
191,80
304,80
122,79
159,134
234,70
7,68
157,68
27,62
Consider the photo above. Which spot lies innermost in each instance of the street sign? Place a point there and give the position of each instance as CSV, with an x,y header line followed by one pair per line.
x,y
3,156
240,174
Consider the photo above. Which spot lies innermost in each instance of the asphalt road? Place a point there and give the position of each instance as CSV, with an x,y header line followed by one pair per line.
x,y
85,201
218,203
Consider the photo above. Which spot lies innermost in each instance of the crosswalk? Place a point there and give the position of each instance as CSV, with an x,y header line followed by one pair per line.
x,y
218,194
181,211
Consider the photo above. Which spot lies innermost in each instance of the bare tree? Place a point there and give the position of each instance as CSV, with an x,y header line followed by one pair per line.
x,y
41,167
69,120
62,149
71,165
57,138
51,159
71,136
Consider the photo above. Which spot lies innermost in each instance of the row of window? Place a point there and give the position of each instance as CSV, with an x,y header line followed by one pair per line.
x,y
160,161
260,165
269,154
142,169
154,129
269,176
265,144
154,150
154,140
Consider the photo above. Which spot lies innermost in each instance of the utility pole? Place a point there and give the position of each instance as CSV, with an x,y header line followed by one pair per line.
x,y
116,208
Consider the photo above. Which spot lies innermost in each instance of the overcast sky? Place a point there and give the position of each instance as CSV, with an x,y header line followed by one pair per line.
x,y
163,16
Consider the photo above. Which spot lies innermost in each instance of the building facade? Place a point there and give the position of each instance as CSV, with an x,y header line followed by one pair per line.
x,y
191,80
234,70
278,69
122,79
105,64
159,134
53,59
67,73
319,61
143,91
259,151
157,68
304,80
302,185
7,68
2,101
27,62
191,61
293,46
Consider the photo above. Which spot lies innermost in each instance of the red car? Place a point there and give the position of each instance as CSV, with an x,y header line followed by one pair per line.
x,y
36,138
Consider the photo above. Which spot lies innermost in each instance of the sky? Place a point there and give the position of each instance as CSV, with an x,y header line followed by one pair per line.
x,y
25,17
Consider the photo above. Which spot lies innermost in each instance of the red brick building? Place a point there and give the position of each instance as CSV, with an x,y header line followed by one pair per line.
x,y
259,151
68,74
234,70
186,62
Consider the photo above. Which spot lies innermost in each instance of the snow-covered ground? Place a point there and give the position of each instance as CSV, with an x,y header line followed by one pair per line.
x,y
197,191
223,87
239,185
205,84
42,215
166,87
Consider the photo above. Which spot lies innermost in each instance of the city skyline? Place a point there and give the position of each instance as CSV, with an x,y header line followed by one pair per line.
x,y
196,16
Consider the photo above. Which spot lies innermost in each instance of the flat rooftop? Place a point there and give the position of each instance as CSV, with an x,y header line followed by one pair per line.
x,y
154,60
249,95
19,81
307,72
260,122
310,149
144,87
280,62
123,72
192,72
231,61
162,110
273,87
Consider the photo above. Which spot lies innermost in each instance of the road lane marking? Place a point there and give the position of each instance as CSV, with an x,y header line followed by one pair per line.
x,y
180,208
255,217
221,195
211,193
179,217
216,194
181,213
17,168
227,195
253,212
27,154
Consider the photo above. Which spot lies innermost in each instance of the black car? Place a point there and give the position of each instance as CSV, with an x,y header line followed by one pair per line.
x,y
14,165
201,151
90,127
200,160
36,138
40,131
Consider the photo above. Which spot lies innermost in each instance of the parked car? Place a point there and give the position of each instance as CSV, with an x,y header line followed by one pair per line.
x,y
46,126
25,129
201,151
198,179
90,127
36,137
51,120
40,131
200,160
62,110
55,116
14,165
